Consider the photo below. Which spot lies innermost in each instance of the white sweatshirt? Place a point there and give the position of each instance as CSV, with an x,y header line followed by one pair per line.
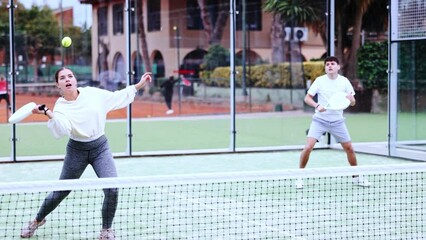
x,y
325,88
84,119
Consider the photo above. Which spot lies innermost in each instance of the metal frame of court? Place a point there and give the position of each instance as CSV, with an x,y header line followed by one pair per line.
x,y
397,34
402,28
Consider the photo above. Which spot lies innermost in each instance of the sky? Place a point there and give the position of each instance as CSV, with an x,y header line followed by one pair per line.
x,y
82,12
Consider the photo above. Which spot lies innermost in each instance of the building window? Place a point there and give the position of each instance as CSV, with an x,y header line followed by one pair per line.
x,y
154,15
118,19
253,15
103,21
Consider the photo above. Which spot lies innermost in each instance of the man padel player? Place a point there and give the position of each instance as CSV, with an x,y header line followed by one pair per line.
x,y
80,114
326,120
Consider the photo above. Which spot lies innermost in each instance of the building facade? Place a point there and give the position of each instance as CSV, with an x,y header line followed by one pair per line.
x,y
176,38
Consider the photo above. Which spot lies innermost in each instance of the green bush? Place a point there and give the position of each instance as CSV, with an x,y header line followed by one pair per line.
x,y
217,56
372,65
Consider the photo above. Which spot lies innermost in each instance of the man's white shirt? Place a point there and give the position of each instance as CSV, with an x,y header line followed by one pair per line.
x,y
325,88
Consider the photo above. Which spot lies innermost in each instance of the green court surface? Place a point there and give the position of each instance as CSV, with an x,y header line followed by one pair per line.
x,y
198,132
211,132
194,164
241,208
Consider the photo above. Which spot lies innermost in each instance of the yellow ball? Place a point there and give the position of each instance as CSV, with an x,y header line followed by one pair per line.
x,y
66,41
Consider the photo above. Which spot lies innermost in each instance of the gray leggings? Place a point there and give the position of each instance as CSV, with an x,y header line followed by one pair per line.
x,y
78,156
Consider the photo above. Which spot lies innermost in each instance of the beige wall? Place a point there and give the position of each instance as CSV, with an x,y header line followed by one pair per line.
x,y
173,14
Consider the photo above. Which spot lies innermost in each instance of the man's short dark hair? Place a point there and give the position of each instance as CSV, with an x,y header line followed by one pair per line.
x,y
331,59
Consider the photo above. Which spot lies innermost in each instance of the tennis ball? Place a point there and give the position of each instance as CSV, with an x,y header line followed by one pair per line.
x,y
66,41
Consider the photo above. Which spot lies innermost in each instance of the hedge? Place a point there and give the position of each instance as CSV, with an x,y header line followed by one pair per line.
x,y
266,75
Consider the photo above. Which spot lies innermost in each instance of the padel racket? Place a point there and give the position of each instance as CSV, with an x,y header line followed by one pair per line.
x,y
186,82
22,113
338,101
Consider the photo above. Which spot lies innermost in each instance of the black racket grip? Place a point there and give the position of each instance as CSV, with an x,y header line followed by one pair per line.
x,y
41,107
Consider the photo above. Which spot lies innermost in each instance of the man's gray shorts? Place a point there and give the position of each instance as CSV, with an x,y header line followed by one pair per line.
x,y
337,129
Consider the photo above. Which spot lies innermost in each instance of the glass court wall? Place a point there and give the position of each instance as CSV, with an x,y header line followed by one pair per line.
x,y
407,78
203,48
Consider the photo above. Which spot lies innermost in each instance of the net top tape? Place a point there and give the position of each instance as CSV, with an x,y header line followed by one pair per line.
x,y
169,180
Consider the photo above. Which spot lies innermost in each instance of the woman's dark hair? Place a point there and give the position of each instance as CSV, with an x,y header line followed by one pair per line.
x,y
58,71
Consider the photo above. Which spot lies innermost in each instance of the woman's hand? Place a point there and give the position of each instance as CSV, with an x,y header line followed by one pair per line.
x,y
146,78
42,109
39,109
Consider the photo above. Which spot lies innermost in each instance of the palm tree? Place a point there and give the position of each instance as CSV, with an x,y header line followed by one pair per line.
x,y
294,13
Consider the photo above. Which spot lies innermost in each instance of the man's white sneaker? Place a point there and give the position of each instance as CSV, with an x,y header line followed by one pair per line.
x,y
299,183
170,111
29,231
361,181
107,234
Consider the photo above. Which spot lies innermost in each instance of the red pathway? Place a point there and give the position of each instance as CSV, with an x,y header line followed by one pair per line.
x,y
141,108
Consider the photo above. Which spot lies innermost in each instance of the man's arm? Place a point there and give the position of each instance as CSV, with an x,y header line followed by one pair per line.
x,y
351,98
310,101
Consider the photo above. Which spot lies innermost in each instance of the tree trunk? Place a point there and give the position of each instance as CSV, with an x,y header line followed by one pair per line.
x,y
35,71
205,18
339,35
103,57
356,42
219,26
277,40
214,31
376,100
142,34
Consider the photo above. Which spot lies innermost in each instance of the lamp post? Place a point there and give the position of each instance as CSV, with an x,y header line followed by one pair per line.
x,y
244,53
138,60
62,32
330,26
177,37
12,72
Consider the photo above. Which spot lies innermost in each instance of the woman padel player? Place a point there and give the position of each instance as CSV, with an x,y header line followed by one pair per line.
x,y
80,113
